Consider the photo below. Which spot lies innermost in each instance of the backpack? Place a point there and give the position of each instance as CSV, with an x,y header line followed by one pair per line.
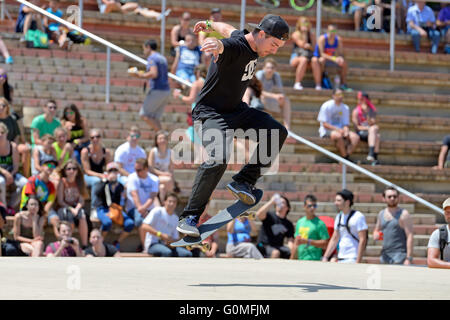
x,y
348,228
443,239
36,39
326,83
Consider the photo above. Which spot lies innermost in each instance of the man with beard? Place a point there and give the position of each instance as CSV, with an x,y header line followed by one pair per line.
x,y
396,225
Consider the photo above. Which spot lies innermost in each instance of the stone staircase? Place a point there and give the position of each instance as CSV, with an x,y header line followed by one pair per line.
x,y
413,106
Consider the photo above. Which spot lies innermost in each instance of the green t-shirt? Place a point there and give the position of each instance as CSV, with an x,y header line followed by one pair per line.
x,y
43,126
314,229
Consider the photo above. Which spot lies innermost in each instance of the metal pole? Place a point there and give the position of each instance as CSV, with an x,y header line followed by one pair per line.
x,y
3,10
80,14
242,14
163,26
318,19
392,42
108,73
344,176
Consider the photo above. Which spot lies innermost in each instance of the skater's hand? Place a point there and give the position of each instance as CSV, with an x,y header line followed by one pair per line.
x,y
200,26
213,46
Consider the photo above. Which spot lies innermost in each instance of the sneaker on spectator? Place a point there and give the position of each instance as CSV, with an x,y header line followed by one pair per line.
x,y
345,88
318,88
9,60
22,39
298,86
370,158
375,162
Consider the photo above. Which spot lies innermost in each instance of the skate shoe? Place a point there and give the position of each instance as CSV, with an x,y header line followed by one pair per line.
x,y
188,226
243,191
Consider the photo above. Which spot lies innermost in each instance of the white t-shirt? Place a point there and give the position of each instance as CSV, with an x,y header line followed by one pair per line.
x,y
144,187
336,115
348,246
166,223
434,243
127,156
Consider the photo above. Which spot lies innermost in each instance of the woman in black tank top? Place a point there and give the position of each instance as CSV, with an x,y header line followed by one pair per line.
x,y
179,32
77,127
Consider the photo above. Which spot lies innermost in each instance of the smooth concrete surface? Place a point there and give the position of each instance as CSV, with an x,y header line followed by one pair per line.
x,y
221,278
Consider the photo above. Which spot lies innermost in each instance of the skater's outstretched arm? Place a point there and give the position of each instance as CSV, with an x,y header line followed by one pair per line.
x,y
223,28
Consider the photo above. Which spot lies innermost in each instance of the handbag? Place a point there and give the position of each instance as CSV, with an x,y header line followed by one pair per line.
x,y
115,210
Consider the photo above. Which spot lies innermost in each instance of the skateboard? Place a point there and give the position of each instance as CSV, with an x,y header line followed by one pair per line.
x,y
220,219
202,246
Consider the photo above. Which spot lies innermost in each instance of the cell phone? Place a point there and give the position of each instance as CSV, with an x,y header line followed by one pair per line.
x,y
70,240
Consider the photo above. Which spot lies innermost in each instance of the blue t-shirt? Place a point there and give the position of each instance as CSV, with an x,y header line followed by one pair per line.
x,y
161,82
189,59
419,18
53,26
20,19
241,232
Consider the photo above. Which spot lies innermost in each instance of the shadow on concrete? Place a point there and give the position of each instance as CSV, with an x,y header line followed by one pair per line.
x,y
306,287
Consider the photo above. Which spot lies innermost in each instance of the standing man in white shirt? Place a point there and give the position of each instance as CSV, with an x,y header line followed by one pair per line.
x,y
142,188
127,153
160,227
350,231
334,118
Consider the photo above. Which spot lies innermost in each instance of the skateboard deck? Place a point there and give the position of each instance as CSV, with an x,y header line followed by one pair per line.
x,y
220,219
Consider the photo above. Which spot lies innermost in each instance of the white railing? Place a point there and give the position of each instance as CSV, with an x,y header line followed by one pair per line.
x,y
345,162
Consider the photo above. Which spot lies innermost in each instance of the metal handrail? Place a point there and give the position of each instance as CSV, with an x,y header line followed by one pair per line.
x,y
295,136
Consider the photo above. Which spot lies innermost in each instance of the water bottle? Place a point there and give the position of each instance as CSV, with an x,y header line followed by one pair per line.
x,y
277,200
337,81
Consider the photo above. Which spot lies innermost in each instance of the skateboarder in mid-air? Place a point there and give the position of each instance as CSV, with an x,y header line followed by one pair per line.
x,y
219,107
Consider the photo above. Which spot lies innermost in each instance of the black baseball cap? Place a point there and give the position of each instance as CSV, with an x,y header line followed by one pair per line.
x,y
273,25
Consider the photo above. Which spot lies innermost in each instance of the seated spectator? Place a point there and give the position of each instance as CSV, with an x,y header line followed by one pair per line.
x,y
15,128
94,159
275,228
359,10
444,155
29,228
98,248
77,127
311,234
252,95
329,53
421,22
45,123
212,240
216,15
200,76
9,167
239,243
127,6
397,227
363,118
101,203
187,57
4,51
71,193
334,118
179,32
9,248
68,246
63,148
54,29
28,19
160,229
302,52
43,153
350,231
142,188
438,255
443,24
40,186
273,97
160,161
127,153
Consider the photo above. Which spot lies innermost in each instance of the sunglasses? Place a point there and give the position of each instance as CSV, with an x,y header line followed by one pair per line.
x,y
3,76
392,197
113,170
52,107
136,136
139,170
70,113
95,137
50,165
312,206
71,169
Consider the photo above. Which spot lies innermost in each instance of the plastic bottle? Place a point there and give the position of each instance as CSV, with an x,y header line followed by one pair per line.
x,y
337,81
277,199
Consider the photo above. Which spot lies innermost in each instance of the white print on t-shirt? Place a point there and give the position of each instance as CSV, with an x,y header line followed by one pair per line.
x,y
250,70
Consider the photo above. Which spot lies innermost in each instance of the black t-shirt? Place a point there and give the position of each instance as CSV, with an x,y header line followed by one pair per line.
x,y
446,142
227,79
110,250
13,127
99,190
274,230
